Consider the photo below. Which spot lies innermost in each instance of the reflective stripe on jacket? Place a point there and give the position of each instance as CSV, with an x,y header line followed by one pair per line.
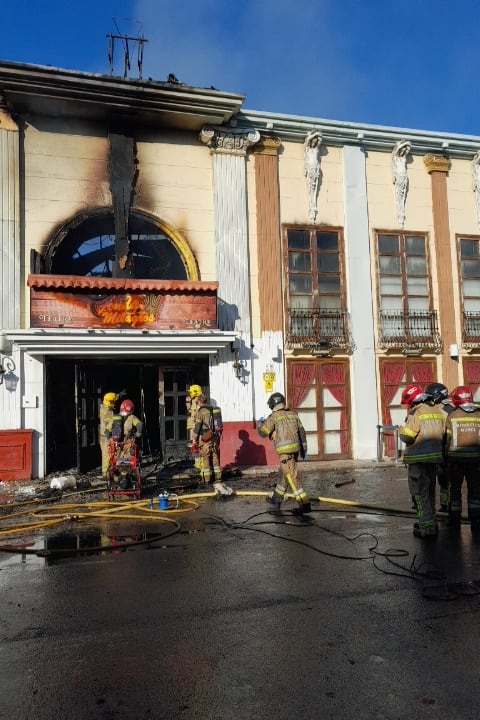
x,y
285,429
424,433
463,433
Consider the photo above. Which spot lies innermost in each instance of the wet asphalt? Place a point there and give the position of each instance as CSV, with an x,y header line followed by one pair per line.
x,y
232,612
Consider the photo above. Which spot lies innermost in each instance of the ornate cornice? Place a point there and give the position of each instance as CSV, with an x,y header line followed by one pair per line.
x,y
230,141
268,145
436,163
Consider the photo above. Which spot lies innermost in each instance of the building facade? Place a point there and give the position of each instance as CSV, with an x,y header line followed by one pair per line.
x,y
156,235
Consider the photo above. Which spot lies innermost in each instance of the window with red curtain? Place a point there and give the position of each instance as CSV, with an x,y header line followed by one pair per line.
x,y
303,375
422,373
393,373
471,373
333,377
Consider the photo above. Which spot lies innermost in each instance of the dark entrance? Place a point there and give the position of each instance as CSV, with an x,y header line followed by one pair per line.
x,y
74,391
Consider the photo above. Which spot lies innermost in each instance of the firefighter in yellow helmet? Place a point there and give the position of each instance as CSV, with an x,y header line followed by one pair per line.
x,y
107,409
192,401
206,442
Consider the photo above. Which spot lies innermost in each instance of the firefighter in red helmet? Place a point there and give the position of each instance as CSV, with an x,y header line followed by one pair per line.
x,y
423,434
463,454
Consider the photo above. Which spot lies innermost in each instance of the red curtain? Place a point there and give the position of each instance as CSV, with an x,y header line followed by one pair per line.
x,y
302,377
333,377
422,373
392,377
472,375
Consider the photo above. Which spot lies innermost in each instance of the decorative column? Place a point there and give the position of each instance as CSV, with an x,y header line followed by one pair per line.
x,y
269,346
364,413
228,148
438,167
10,292
268,233
9,220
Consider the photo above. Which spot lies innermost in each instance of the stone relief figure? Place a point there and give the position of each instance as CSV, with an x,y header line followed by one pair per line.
x,y
400,177
311,157
476,182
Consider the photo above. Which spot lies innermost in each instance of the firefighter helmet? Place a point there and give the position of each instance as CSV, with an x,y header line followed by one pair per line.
x,y
110,399
412,393
276,399
461,395
438,391
126,408
194,391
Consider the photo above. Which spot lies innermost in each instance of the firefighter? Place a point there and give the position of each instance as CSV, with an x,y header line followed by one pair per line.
x,y
125,427
463,453
206,436
285,429
439,393
107,409
192,402
423,435
132,426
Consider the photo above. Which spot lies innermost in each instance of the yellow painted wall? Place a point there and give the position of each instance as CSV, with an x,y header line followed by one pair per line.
x,y
68,173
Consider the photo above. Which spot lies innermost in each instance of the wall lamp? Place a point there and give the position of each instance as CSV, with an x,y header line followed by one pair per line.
x,y
238,364
7,374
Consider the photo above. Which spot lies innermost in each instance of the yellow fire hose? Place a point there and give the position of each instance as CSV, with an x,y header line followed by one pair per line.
x,y
140,510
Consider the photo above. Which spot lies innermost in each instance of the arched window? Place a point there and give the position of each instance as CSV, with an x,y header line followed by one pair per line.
x,y
86,247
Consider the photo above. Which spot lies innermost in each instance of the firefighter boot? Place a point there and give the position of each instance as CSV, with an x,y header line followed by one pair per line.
x,y
303,507
430,531
275,501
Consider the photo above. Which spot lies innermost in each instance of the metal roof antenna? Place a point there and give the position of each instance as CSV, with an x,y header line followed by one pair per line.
x,y
124,40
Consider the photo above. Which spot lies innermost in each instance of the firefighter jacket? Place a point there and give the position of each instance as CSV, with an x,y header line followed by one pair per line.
x,y
131,427
193,406
208,423
285,429
105,418
463,433
424,433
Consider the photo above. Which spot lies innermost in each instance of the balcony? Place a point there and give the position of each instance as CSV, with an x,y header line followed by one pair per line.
x,y
319,331
471,329
411,332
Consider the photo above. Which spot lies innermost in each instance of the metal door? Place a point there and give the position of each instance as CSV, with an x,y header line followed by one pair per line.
x,y
88,394
173,413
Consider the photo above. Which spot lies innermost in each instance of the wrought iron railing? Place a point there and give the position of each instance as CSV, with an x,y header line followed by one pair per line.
x,y
471,328
319,330
415,330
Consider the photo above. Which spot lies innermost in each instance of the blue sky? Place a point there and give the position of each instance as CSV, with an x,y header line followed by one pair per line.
x,y
405,63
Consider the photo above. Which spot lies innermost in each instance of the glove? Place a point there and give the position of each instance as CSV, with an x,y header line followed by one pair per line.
x,y
303,455
194,448
260,421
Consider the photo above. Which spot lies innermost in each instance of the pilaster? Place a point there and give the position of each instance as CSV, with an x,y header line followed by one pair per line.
x,y
228,149
9,220
438,166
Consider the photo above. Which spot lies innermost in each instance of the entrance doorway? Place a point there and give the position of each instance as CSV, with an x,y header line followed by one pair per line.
x,y
74,392
319,390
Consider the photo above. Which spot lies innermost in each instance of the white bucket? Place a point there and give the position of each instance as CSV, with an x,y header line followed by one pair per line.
x,y
64,482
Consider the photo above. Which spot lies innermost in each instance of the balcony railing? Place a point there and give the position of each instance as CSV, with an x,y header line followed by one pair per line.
x,y
414,330
319,330
471,328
